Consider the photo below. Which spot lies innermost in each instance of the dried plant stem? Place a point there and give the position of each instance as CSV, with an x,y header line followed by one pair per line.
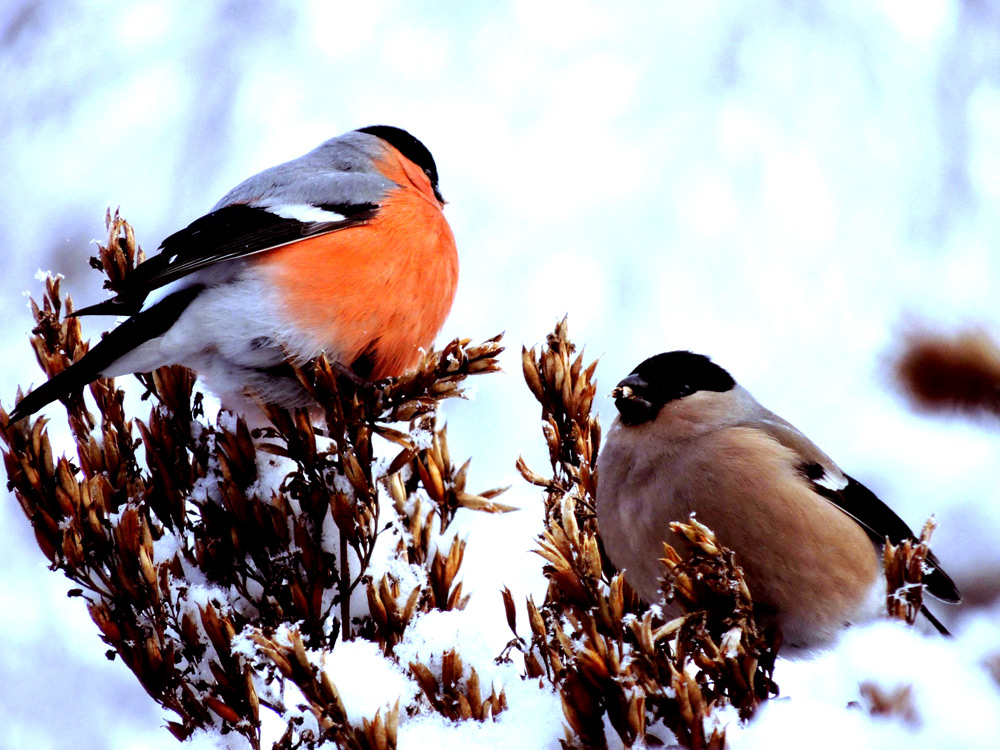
x,y
184,556
345,599
904,572
607,654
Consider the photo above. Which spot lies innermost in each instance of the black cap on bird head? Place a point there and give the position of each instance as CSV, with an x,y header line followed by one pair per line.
x,y
409,147
665,378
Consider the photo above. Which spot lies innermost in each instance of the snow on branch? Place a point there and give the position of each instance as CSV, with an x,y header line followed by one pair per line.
x,y
221,565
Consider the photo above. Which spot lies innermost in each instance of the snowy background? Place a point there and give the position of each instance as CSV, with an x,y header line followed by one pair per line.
x,y
781,186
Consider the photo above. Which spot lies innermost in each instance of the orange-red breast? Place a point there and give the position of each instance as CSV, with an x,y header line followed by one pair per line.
x,y
344,251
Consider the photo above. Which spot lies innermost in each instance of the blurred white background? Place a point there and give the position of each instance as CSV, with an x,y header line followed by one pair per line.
x,y
778,185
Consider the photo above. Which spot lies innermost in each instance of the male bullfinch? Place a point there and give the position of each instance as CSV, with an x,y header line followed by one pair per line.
x,y
343,251
689,439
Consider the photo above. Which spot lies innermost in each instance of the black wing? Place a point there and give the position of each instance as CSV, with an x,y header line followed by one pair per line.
x,y
232,231
879,520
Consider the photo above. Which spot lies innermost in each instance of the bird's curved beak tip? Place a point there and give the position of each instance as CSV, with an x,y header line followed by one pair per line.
x,y
621,391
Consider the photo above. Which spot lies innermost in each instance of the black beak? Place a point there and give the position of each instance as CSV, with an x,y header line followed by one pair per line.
x,y
632,400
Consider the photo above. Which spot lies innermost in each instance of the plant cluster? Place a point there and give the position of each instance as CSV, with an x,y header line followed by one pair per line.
x,y
609,656
223,565
220,565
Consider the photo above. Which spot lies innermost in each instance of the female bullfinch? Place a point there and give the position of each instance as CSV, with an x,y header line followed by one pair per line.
x,y
689,439
343,251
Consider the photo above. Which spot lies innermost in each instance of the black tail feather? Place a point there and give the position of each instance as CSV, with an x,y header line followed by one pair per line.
x,y
73,378
113,306
134,332
939,584
934,621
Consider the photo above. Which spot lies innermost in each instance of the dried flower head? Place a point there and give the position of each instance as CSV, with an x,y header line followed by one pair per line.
x,y
216,562
592,639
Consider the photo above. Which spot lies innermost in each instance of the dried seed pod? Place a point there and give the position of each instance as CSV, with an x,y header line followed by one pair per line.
x,y
904,571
